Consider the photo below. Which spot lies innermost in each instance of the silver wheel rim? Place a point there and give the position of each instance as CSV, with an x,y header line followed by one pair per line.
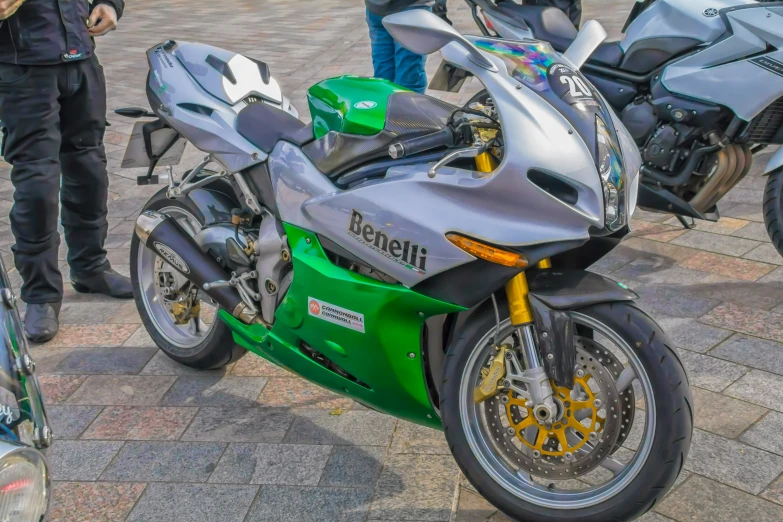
x,y
192,334
517,481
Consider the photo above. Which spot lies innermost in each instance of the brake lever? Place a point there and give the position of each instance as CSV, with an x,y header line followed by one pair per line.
x,y
469,152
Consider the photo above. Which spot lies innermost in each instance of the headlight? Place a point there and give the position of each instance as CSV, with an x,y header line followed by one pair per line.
x,y
611,171
24,484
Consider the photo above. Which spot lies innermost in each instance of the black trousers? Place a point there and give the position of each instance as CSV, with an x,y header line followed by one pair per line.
x,y
55,118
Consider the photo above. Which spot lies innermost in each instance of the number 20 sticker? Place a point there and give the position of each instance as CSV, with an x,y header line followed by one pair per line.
x,y
570,86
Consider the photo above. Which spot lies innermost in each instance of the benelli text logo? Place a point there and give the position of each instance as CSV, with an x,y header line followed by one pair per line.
x,y
409,255
172,258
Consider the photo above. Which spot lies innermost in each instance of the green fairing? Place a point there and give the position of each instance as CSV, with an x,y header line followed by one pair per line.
x,y
333,105
380,357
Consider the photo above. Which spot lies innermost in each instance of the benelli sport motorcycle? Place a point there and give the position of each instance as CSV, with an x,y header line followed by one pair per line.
x,y
423,259
697,83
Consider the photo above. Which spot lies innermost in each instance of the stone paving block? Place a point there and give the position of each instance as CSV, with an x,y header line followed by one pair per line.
x,y
252,365
745,211
651,516
353,466
747,196
704,500
754,231
81,460
774,491
89,313
753,352
765,253
724,226
165,462
418,487
766,434
674,303
649,248
46,359
93,501
233,424
135,423
723,415
105,361
691,335
412,438
127,314
776,276
728,266
650,271
214,390
193,503
57,388
162,364
710,373
295,392
728,245
615,259
733,463
93,335
473,508
140,339
757,387
121,390
757,323
360,428
310,504
68,422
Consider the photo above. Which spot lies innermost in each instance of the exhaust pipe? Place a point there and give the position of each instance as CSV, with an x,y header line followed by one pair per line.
x,y
166,238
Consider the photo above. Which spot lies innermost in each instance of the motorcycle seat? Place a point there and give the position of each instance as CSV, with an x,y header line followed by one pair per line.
x,y
553,25
408,115
264,125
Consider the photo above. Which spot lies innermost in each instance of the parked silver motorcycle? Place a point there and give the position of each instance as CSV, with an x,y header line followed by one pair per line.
x,y
698,84
423,259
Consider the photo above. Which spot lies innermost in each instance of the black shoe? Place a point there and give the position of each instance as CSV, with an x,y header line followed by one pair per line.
x,y
41,322
107,282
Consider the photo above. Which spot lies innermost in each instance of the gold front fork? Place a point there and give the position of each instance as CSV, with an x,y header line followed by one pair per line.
x,y
516,291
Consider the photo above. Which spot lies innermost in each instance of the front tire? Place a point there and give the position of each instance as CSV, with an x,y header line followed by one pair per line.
x,y
203,350
650,471
773,208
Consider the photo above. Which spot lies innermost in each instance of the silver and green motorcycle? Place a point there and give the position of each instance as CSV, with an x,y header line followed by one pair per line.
x,y
424,259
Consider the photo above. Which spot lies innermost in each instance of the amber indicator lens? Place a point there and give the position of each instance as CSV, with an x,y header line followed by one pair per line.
x,y
487,252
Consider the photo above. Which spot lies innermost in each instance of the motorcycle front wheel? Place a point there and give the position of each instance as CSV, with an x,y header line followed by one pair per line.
x,y
620,438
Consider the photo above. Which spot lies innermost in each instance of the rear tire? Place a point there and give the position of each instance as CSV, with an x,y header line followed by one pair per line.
x,y
670,439
217,349
773,208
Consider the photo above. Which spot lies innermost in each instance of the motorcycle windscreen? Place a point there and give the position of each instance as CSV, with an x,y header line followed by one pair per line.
x,y
536,65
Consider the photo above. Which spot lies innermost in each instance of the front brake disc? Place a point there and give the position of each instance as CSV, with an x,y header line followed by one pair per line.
x,y
584,434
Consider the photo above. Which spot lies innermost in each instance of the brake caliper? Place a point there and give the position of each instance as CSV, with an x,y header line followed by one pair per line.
x,y
492,376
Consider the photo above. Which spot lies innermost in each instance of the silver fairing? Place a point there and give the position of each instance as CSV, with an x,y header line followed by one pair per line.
x,y
200,103
736,72
503,208
697,19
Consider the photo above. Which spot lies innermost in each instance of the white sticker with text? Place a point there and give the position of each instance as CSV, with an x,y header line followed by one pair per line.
x,y
335,314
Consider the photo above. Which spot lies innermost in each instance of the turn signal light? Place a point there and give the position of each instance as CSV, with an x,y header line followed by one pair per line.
x,y
487,252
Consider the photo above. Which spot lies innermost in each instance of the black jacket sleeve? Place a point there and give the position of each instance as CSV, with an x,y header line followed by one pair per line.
x,y
118,5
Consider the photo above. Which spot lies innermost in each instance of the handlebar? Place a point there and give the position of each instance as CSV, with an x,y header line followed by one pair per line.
x,y
442,138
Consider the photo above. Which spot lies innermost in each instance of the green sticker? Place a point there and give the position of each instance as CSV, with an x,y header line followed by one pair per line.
x,y
621,285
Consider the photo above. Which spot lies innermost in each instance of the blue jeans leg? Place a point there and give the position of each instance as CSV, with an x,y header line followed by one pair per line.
x,y
383,48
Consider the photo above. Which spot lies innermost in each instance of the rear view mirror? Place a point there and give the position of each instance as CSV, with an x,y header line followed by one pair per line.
x,y
422,32
587,41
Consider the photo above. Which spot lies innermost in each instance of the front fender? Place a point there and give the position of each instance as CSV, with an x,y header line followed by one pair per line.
x,y
553,295
775,162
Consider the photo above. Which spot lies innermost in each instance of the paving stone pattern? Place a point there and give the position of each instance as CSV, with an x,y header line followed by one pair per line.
x,y
142,438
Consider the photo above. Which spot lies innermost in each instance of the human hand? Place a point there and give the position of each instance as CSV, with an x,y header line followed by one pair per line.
x,y
9,7
102,20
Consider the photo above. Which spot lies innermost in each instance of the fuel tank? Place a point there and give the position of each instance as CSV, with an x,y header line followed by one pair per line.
x,y
695,19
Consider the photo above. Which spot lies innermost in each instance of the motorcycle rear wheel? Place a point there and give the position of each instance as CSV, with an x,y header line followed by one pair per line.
x,y
661,435
206,346
773,208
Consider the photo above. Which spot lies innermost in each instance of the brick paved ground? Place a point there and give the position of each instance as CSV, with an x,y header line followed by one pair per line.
x,y
141,438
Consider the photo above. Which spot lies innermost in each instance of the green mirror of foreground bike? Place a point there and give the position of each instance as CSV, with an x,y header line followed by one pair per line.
x,y
424,259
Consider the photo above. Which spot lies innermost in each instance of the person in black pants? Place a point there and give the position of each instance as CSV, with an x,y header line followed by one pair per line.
x,y
53,109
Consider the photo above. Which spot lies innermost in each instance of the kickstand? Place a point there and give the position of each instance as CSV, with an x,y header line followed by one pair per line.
x,y
685,223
